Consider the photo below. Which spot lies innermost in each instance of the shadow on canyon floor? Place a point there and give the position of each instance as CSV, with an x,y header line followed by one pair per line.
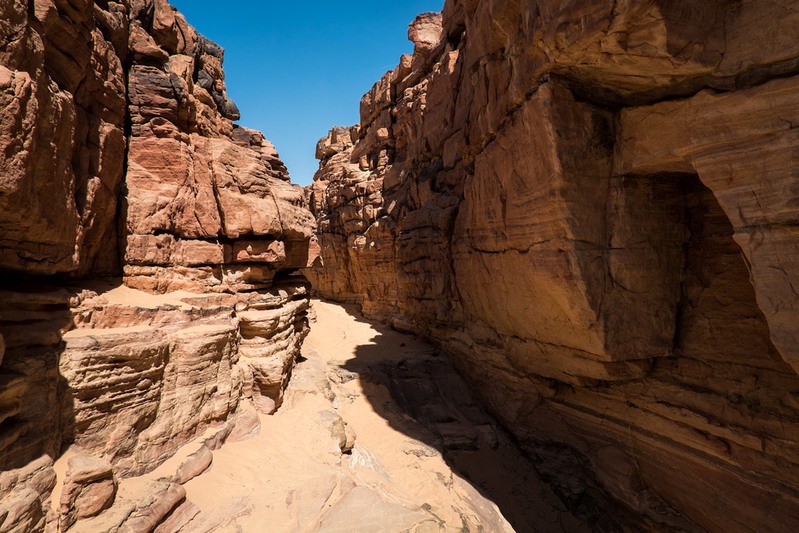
x,y
432,404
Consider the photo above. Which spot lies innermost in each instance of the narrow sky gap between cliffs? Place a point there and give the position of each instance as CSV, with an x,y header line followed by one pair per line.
x,y
296,68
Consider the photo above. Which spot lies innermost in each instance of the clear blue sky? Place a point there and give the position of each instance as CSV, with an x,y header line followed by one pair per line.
x,y
295,69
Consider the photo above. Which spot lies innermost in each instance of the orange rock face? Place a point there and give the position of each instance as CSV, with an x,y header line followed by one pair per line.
x,y
119,159
593,209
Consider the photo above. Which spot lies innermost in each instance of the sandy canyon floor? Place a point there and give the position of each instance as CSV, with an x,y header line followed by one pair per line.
x,y
376,433
419,454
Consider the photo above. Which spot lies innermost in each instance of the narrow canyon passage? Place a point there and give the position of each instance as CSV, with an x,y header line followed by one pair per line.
x,y
425,456
589,209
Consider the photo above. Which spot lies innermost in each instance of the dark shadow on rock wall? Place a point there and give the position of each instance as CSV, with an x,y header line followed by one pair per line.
x,y
431,403
36,410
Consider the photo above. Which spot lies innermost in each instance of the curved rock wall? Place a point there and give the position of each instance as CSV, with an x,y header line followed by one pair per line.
x,y
591,206
147,256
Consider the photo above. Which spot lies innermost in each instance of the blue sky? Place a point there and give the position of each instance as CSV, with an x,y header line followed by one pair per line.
x,y
295,69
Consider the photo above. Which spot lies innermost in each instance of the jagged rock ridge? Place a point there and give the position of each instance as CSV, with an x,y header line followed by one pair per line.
x,y
147,254
591,206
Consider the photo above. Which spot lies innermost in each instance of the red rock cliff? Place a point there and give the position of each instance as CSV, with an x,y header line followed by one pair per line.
x,y
119,157
592,207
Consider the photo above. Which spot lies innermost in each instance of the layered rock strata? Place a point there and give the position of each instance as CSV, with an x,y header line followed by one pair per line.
x,y
591,207
147,253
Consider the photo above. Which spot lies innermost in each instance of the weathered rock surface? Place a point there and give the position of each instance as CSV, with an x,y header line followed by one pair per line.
x,y
88,490
559,194
147,253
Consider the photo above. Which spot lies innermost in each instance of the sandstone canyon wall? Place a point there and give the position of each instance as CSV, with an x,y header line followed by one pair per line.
x,y
147,256
592,208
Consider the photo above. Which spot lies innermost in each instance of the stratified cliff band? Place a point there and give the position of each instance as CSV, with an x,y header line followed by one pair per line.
x,y
592,208
119,159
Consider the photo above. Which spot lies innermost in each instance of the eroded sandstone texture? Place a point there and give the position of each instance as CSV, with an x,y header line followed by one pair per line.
x,y
147,246
592,207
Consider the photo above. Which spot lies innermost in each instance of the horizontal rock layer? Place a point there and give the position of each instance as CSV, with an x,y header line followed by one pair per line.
x,y
592,208
147,253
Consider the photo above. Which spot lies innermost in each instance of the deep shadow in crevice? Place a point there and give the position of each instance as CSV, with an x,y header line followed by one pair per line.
x,y
36,410
431,403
